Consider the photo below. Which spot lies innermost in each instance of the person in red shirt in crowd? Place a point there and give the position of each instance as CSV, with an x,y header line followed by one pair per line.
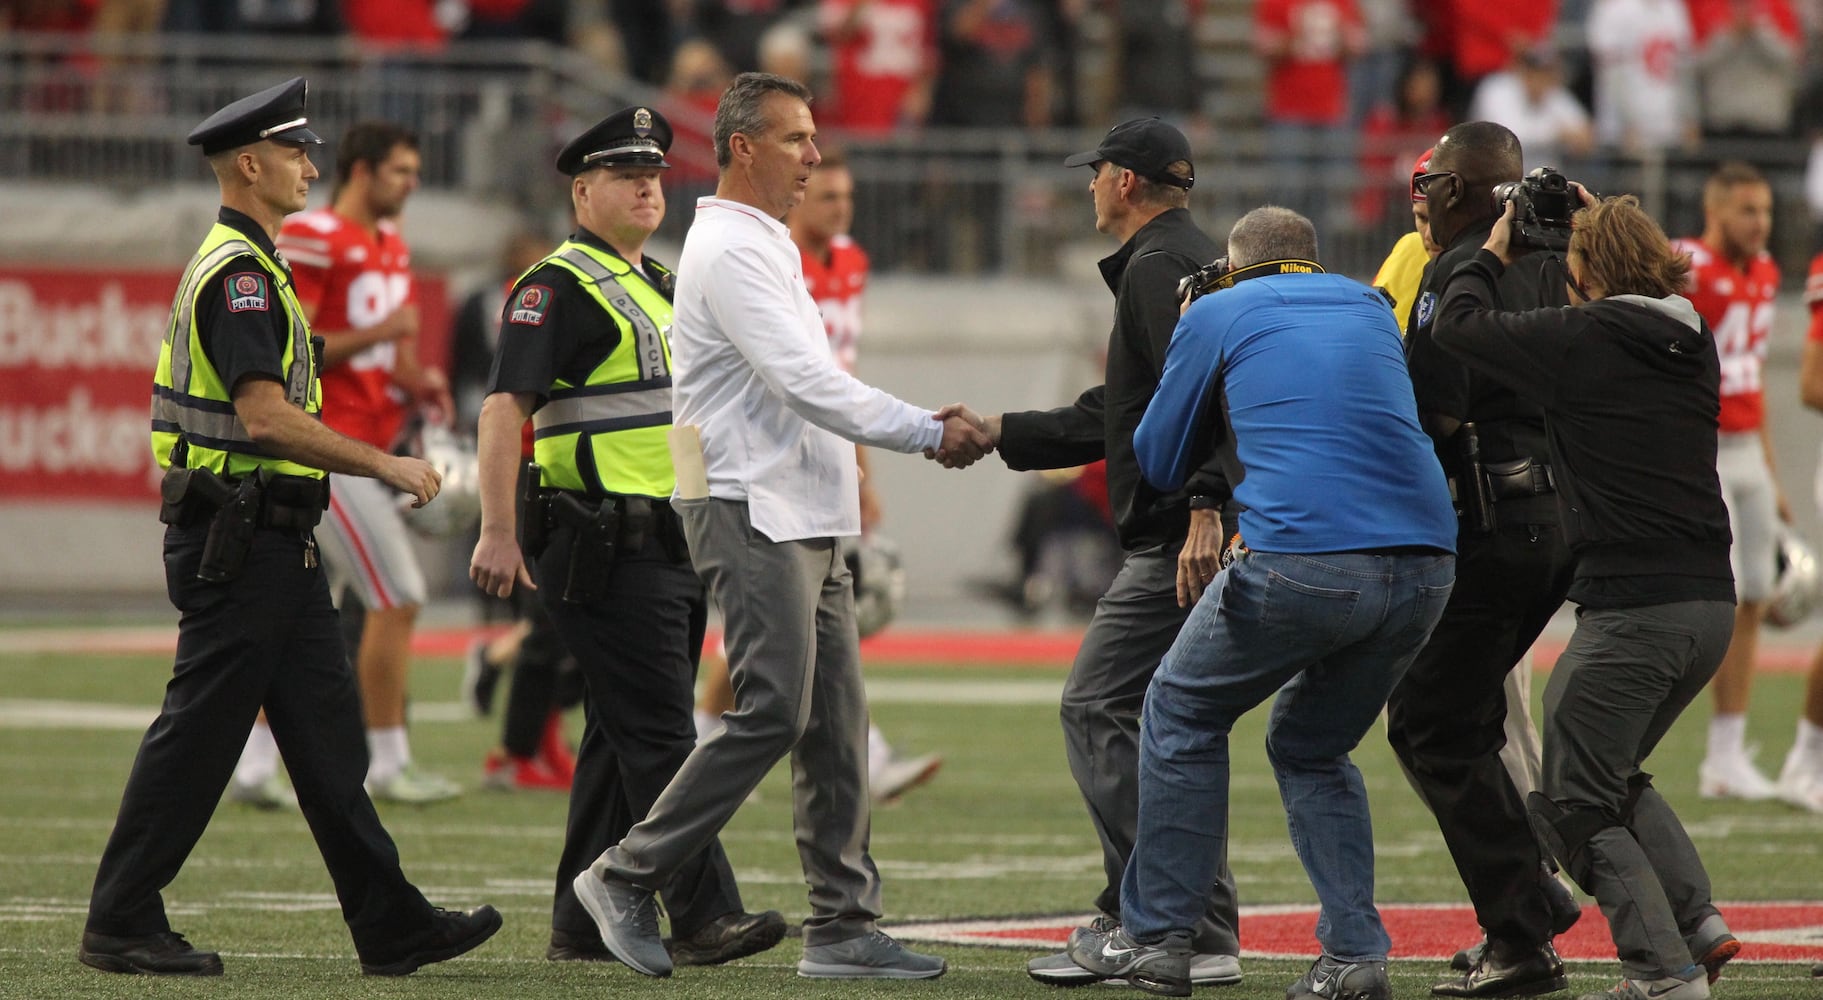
x,y
698,76
396,23
1471,39
1733,281
1396,132
835,271
352,272
885,54
1306,45
1710,16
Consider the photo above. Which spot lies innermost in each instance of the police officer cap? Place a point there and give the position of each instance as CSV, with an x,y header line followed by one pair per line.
x,y
635,137
1145,146
276,113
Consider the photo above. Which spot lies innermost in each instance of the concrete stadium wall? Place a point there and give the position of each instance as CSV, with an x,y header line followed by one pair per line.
x,y
996,344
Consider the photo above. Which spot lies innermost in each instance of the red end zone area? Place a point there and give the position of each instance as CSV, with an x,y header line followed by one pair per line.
x,y
924,647
1770,932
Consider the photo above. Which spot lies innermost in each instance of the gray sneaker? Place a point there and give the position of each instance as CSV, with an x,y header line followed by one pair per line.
x,y
1162,967
627,917
1060,970
1713,946
870,956
1692,984
1334,979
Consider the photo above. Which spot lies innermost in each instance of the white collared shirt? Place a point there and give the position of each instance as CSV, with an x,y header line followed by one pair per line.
x,y
752,370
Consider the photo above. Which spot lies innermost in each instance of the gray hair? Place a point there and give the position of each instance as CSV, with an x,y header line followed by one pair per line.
x,y
740,108
1271,233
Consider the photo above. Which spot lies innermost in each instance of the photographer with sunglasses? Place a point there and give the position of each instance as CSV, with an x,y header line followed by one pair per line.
x,y
1447,717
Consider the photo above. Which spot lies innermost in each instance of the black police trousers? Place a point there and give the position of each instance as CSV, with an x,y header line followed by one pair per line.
x,y
637,647
269,637
1446,719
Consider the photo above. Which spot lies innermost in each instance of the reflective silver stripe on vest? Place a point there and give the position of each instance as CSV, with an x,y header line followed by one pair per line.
x,y
603,406
193,418
185,307
649,347
297,377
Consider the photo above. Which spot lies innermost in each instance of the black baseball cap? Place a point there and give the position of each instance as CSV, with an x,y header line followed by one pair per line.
x,y
1146,146
275,114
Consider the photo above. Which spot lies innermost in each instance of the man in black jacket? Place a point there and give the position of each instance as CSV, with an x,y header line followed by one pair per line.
x,y
1446,718
1141,189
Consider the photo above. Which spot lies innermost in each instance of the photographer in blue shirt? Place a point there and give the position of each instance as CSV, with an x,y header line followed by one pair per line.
x,y
1299,378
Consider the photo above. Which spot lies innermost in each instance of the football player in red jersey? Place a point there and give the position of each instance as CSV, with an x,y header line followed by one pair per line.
x,y
352,272
1733,281
835,271
1801,780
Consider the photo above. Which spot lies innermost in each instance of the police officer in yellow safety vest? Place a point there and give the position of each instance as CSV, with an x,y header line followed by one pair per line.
x,y
585,354
234,407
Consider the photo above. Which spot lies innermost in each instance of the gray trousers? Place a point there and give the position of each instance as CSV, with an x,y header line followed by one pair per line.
x,y
1622,681
794,659
1134,625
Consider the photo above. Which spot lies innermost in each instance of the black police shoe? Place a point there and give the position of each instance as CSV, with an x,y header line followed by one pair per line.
x,y
566,946
1565,911
1506,971
451,933
166,954
728,937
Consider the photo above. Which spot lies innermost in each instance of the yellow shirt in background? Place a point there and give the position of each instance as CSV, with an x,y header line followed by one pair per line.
x,y
1400,272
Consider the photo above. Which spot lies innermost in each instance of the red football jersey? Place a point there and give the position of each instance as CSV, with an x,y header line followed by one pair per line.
x,y
892,47
348,280
1813,297
837,287
1737,305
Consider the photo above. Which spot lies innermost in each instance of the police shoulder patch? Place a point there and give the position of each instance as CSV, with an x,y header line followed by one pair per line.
x,y
530,306
246,292
1426,304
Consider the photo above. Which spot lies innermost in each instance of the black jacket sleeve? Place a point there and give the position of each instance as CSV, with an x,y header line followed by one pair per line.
x,y
1524,351
1056,439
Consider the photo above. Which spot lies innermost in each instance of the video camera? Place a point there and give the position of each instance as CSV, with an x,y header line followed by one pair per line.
x,y
1543,202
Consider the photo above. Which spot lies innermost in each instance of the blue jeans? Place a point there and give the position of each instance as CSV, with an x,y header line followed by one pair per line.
x,y
1332,634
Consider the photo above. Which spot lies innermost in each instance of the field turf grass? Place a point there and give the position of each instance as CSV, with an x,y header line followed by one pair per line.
x,y
1001,832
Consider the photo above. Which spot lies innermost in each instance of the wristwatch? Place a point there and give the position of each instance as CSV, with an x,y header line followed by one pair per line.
x,y
1200,502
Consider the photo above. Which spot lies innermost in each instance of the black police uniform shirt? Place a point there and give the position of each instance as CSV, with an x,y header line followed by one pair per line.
x,y
561,333
1510,426
243,327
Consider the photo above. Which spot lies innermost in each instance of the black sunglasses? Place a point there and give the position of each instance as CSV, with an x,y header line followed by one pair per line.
x,y
1422,182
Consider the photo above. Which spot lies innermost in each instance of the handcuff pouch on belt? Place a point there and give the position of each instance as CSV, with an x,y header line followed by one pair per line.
x,y
236,509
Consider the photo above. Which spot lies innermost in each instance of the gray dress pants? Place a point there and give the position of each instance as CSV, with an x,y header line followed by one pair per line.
x,y
1622,681
794,659
1134,625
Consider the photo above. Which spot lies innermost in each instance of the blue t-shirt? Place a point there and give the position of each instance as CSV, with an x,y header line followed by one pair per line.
x,y
1321,411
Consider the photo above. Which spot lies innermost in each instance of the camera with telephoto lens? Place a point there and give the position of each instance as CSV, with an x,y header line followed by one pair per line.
x,y
1543,202
1201,281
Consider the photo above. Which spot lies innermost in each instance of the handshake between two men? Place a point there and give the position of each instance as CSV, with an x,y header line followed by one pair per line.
x,y
967,437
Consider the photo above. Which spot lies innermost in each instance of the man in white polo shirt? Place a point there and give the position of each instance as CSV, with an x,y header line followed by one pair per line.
x,y
763,499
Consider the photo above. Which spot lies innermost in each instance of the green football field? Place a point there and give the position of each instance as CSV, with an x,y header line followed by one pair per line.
x,y
1001,833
